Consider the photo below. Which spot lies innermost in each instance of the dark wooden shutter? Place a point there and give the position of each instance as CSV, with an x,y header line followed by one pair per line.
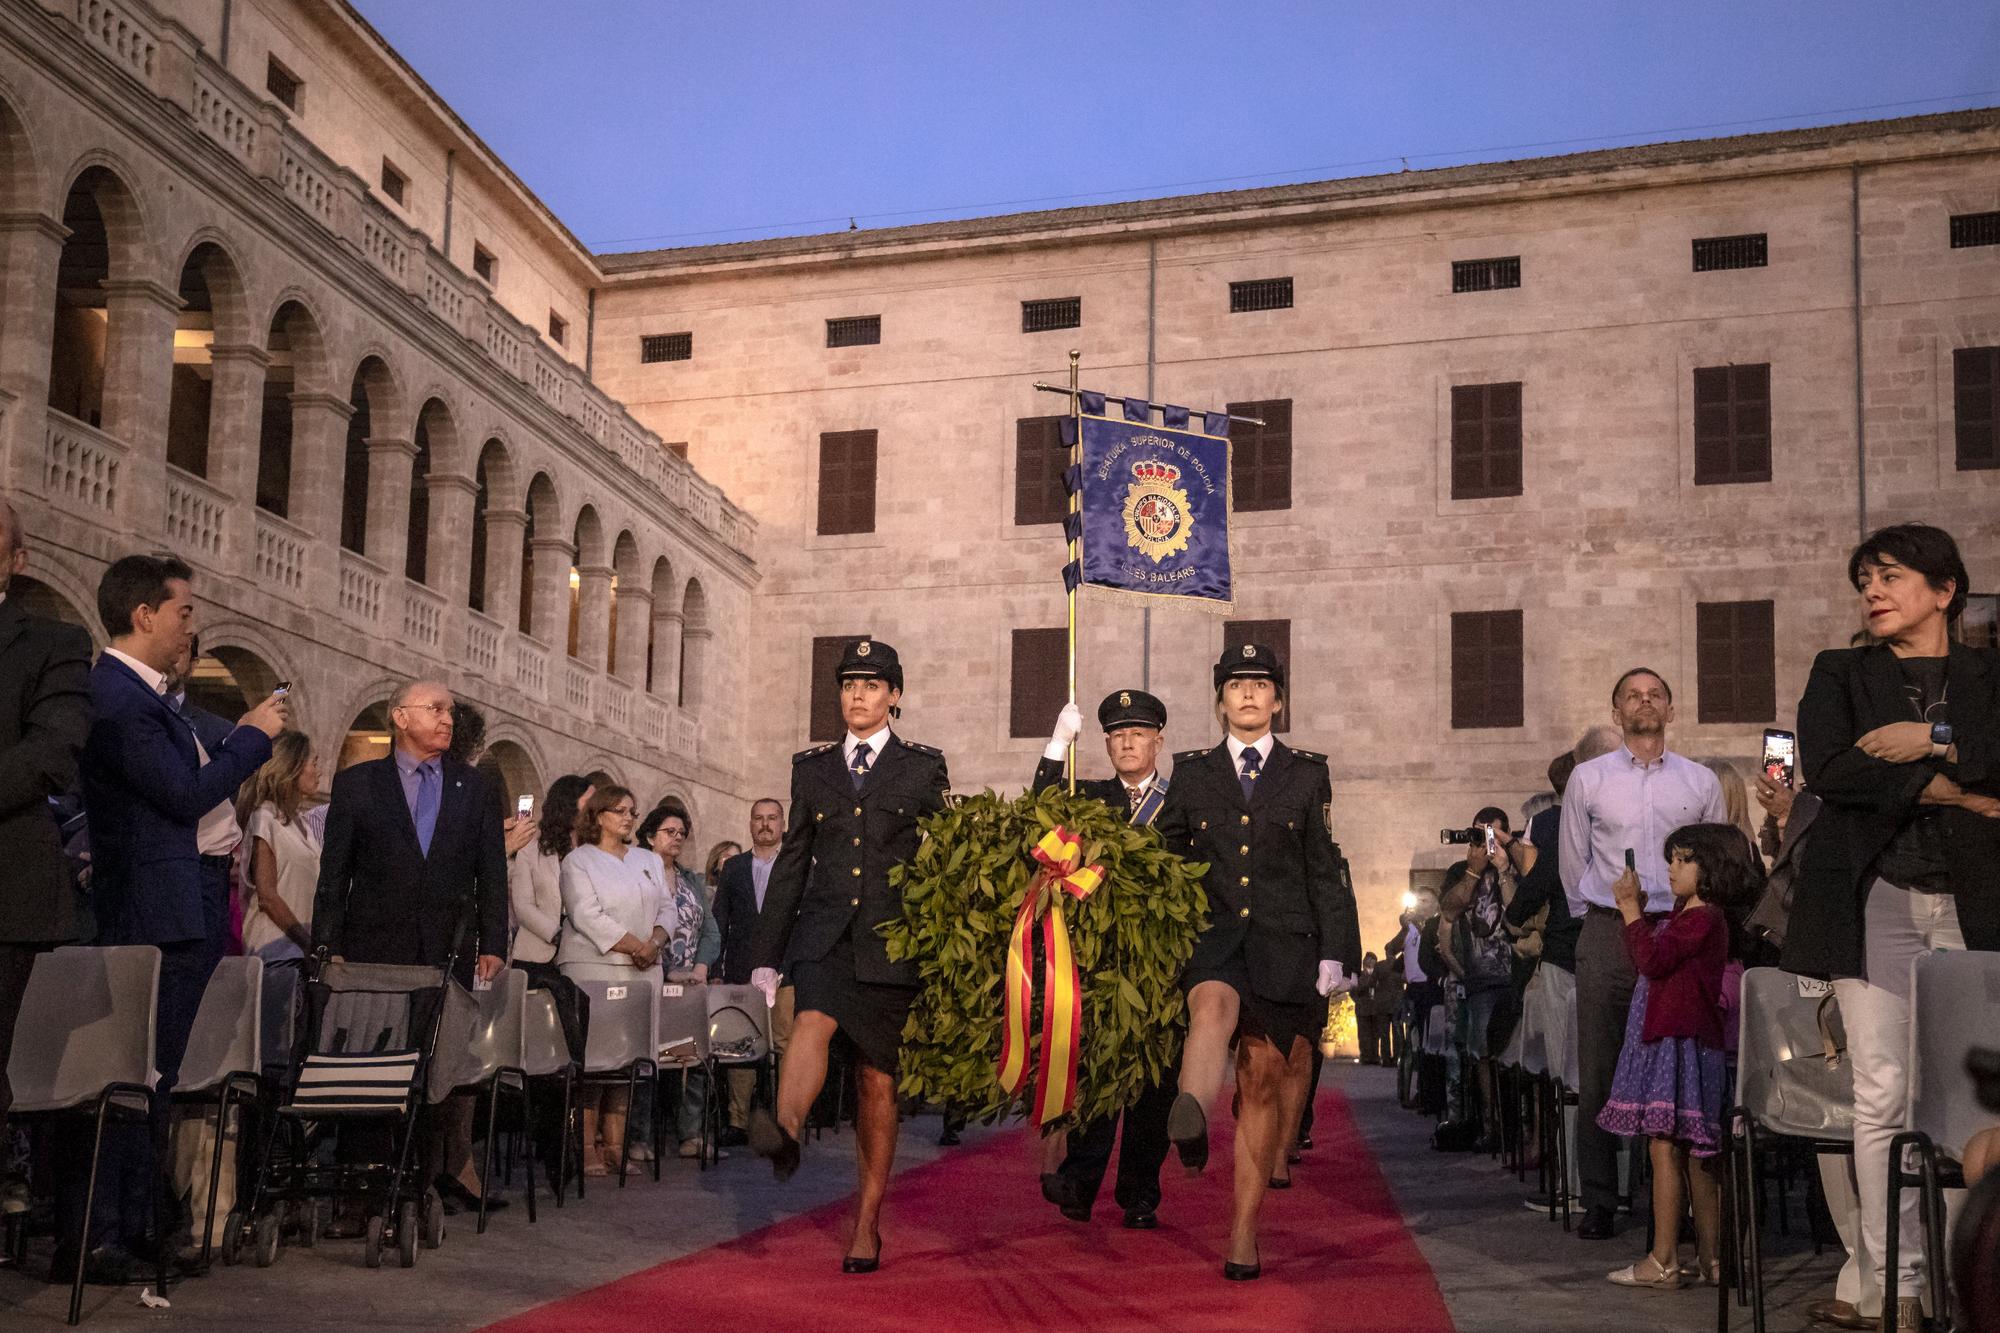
x,y
1485,440
1275,635
1039,462
1732,424
1039,684
1975,376
846,482
826,723
1735,662
1485,669
1260,457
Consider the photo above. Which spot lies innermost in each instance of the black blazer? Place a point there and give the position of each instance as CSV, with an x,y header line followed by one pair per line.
x,y
381,900
1049,773
1865,800
45,717
1275,887
736,916
832,874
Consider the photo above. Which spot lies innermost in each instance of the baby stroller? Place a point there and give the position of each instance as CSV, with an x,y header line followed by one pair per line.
x,y
362,1069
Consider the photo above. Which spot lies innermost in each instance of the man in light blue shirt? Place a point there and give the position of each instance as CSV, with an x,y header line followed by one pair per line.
x,y
1619,805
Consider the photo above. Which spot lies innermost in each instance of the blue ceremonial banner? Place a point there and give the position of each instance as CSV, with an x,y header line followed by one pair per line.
x,y
1155,505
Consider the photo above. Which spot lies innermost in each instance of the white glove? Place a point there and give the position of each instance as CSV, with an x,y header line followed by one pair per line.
x,y
1331,978
1069,725
765,979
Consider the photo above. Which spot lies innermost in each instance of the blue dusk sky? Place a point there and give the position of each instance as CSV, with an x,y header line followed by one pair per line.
x,y
660,122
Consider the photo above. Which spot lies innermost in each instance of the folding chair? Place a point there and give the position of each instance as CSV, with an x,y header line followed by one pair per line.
x,y
1953,996
1792,1082
224,1053
683,1038
493,1060
545,1053
623,1047
739,1036
84,1042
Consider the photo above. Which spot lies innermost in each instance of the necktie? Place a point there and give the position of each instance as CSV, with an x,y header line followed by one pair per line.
x,y
1252,761
862,754
427,805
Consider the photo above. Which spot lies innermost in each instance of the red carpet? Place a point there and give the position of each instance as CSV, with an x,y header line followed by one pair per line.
x,y
970,1245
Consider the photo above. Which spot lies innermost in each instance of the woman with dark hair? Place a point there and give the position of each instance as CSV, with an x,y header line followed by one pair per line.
x,y
534,876
1900,740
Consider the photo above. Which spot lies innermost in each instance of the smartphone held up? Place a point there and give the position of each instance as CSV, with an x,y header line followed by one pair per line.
x,y
1781,756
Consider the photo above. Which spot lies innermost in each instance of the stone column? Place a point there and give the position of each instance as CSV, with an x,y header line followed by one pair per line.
x,y
139,367
235,421
388,535
593,619
694,649
450,564
319,464
635,616
666,655
30,250
552,556
505,530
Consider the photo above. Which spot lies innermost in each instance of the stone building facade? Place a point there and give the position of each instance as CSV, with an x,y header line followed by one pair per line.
x,y
269,305
1610,547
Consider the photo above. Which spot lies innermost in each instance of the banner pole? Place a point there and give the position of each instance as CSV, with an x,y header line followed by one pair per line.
x,y
1075,546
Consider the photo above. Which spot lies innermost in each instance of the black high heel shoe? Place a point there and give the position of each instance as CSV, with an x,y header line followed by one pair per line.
x,y
1235,1272
1187,1126
1280,1184
770,1139
850,1264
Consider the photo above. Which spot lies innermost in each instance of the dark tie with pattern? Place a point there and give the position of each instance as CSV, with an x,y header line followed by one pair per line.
x,y
859,768
1252,762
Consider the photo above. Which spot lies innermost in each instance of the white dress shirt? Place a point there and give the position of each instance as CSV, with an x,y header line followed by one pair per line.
x,y
155,681
1262,745
1619,800
874,744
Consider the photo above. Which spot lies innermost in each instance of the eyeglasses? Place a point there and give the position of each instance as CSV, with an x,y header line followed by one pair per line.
x,y
441,710
622,811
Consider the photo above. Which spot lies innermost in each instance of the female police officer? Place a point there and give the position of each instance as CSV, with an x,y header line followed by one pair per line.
x,y
1282,931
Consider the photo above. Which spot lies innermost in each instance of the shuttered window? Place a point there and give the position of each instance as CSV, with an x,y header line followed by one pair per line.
x,y
1975,384
1039,683
1735,662
1039,463
846,482
1260,457
1273,634
1485,669
1732,424
826,724
1485,440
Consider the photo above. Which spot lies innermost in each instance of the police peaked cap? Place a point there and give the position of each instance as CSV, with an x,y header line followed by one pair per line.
x,y
1130,708
1252,660
870,659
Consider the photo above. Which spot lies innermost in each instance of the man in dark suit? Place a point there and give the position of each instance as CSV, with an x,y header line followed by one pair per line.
x,y
146,790
1132,721
741,884
44,719
855,808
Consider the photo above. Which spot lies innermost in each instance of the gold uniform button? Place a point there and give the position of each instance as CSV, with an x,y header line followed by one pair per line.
x,y
857,809
854,902
818,815
857,874
857,842
1244,850
1243,912
1245,881
1242,819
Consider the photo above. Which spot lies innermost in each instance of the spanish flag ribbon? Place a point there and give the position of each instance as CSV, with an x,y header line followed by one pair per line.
x,y
1060,855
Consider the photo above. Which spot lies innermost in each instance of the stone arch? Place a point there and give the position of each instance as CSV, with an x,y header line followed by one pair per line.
x,y
258,661
39,598
295,365
545,560
214,312
513,766
589,588
695,634
365,715
663,642
435,436
493,565
20,167
377,401
68,594
97,363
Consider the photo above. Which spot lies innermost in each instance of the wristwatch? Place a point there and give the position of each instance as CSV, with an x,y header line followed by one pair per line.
x,y
1940,739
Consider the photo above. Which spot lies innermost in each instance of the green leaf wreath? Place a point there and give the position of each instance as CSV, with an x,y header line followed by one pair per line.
x,y
1131,940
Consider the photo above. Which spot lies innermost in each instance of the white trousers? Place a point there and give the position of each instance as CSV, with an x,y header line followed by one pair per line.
x,y
1899,926
1857,1284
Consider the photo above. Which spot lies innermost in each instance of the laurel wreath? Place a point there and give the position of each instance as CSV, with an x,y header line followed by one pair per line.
x,y
1131,939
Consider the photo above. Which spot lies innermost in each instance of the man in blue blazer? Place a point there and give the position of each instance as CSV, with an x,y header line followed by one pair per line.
x,y
145,790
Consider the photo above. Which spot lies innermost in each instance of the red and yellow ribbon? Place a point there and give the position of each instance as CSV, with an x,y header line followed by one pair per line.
x,y
1062,1000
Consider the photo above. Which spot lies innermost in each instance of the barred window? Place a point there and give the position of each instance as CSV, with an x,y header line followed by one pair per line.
x,y
1485,275
1975,374
1719,252
854,331
1732,424
394,182
1061,312
1260,294
654,347
1970,229
1260,457
1485,440
1735,662
1486,670
282,84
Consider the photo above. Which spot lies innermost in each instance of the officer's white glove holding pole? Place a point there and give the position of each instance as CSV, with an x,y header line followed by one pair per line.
x,y
1069,725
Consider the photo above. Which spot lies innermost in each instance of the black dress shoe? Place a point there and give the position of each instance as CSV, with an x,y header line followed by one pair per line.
x,y
457,1198
850,1264
770,1139
733,1137
949,1137
1141,1219
1187,1126
1242,1272
1596,1224
1278,1183
1305,1143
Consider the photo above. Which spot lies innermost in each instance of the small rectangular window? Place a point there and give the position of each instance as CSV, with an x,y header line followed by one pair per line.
x,y
1735,653
284,85
854,331
484,265
1060,312
1260,457
1486,670
1975,397
1485,440
1719,252
1040,459
1970,229
1732,424
394,182
1260,294
846,482
1485,275
558,329
1273,634
826,723
1038,680
654,347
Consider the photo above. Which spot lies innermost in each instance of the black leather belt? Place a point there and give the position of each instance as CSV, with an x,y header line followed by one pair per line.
x,y
222,862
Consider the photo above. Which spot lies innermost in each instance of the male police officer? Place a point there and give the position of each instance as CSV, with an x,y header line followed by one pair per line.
x,y
1132,721
855,807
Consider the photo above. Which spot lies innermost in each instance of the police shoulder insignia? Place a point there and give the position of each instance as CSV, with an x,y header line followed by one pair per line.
x,y
1309,756
1185,755
931,750
817,749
